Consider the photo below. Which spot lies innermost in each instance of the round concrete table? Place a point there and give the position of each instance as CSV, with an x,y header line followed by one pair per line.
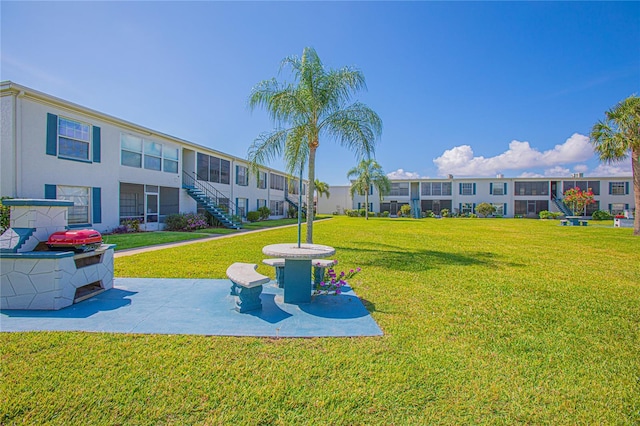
x,y
297,267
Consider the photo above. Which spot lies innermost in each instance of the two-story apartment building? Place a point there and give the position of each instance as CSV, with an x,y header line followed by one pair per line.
x,y
114,170
511,197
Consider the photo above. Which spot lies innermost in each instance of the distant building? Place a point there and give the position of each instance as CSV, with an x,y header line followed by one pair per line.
x,y
114,170
521,197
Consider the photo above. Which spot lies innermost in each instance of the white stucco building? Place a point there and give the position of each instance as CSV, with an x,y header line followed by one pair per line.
x,y
521,197
114,170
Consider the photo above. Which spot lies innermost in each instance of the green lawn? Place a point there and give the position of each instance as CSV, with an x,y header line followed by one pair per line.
x,y
486,321
143,239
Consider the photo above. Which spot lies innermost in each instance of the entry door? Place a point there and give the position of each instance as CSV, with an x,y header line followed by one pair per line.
x,y
531,208
151,212
393,208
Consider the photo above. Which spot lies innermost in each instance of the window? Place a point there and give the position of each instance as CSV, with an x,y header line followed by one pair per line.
x,y
435,206
618,188
618,208
436,188
294,185
142,153
277,208
170,162
530,207
466,208
74,139
531,188
152,156
261,203
399,189
276,182
130,151
79,213
583,185
499,209
242,176
497,188
467,188
213,169
169,202
241,207
262,180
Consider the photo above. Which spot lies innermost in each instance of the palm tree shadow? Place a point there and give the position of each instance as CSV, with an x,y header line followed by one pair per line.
x,y
421,260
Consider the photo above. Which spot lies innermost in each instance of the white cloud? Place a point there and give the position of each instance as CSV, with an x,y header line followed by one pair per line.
x,y
581,168
402,174
460,160
616,169
530,175
557,171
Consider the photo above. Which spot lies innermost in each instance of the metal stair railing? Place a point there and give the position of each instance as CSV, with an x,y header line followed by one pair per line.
x,y
193,183
415,208
560,204
295,204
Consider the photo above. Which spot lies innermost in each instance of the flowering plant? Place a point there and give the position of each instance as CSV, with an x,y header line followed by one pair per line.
x,y
577,199
333,282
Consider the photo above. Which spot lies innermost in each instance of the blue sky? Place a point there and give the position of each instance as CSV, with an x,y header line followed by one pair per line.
x,y
467,88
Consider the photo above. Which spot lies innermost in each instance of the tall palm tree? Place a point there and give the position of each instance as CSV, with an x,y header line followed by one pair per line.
x,y
315,105
368,173
322,188
617,136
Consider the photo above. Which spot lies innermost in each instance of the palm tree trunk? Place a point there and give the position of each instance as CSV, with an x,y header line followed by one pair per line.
x,y
310,191
635,168
366,205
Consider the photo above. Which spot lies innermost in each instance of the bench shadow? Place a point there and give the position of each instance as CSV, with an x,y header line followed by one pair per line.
x,y
270,311
109,300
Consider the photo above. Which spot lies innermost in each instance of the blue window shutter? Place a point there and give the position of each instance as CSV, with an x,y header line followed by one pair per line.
x,y
626,206
491,188
610,187
610,207
52,134
504,208
460,190
459,207
626,188
474,189
505,189
50,192
474,204
96,145
97,205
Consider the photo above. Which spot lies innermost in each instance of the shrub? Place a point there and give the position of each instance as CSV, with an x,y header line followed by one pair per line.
x,y
429,213
362,212
485,209
472,215
133,225
264,212
5,215
185,222
601,215
546,214
405,209
253,216
385,213
175,222
444,212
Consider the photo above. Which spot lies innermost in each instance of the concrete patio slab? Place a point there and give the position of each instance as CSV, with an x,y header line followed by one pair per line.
x,y
198,306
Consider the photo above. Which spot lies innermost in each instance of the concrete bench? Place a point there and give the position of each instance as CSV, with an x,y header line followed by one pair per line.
x,y
246,285
564,222
319,266
279,265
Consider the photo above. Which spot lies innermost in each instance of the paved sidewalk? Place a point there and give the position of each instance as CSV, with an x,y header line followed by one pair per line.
x,y
137,250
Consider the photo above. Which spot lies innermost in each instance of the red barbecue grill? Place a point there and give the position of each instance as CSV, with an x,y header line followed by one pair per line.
x,y
79,240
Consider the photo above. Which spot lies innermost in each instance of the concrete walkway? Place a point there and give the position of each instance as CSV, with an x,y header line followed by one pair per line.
x,y
137,250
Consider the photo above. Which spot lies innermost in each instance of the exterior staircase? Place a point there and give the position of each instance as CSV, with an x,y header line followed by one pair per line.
x,y
209,198
415,208
294,204
562,206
